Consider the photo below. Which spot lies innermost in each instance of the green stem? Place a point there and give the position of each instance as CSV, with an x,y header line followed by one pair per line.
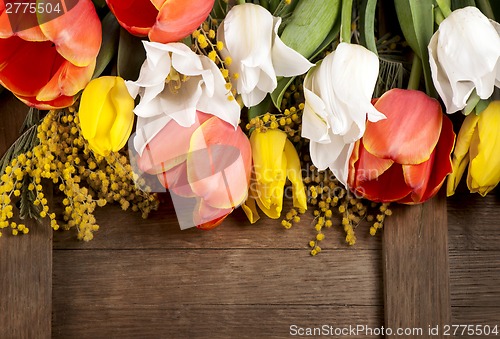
x,y
444,6
438,16
345,29
240,2
485,7
416,73
368,22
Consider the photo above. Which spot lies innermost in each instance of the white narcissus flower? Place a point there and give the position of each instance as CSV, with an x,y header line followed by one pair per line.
x,y
249,33
464,54
174,82
338,95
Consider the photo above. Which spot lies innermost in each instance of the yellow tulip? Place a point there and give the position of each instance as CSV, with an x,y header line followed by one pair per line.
x,y
478,145
106,114
274,159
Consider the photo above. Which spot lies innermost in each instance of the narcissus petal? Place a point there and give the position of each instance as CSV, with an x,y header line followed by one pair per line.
x,y
179,18
410,132
77,34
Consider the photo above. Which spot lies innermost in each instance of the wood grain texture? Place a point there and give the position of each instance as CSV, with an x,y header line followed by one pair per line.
x,y
25,262
474,221
415,259
213,293
208,321
127,230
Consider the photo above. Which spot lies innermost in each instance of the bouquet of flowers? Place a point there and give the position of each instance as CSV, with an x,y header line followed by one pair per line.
x,y
228,104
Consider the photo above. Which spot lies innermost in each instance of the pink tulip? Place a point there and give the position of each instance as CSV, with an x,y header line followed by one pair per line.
x,y
209,161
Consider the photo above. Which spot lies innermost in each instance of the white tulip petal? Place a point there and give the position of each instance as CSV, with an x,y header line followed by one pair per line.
x,y
465,55
147,129
324,155
249,34
287,62
340,167
338,95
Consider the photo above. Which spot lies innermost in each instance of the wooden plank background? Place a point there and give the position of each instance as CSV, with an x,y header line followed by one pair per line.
x,y
25,261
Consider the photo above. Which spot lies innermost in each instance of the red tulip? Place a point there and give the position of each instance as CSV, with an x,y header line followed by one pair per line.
x,y
161,20
406,157
47,64
209,162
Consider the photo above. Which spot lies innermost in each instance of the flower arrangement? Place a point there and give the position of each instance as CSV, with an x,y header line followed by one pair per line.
x,y
228,104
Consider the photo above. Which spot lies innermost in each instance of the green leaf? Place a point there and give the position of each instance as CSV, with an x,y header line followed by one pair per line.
x,y
109,45
471,102
416,18
456,4
24,143
481,106
99,3
131,55
367,24
310,24
27,208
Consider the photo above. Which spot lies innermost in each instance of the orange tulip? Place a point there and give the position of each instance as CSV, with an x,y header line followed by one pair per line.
x,y
161,20
406,157
48,64
209,162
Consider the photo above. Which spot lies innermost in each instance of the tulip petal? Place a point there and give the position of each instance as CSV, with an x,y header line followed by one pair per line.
x,y
77,34
68,80
90,110
401,141
179,18
484,167
388,187
124,120
250,209
287,62
270,195
175,179
322,154
25,67
368,166
219,156
431,173
60,102
295,176
206,217
463,56
136,16
24,25
461,152
157,158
